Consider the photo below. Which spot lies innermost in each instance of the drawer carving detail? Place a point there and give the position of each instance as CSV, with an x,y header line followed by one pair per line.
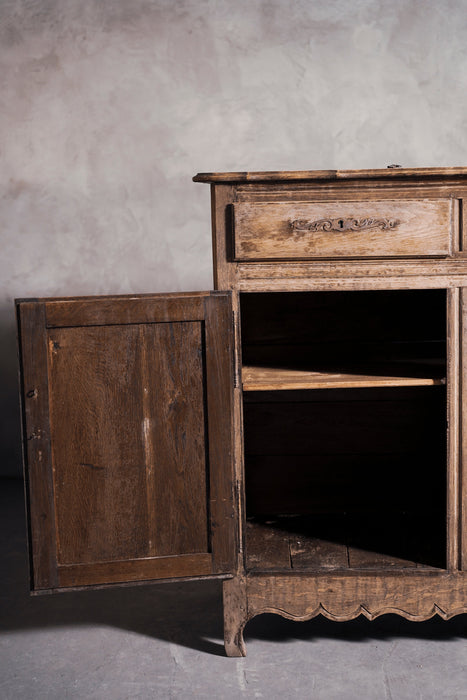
x,y
340,225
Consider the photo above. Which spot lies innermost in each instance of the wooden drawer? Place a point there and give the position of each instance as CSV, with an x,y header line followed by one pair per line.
x,y
385,228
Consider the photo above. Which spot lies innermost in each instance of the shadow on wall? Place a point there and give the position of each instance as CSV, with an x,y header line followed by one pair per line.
x,y
10,421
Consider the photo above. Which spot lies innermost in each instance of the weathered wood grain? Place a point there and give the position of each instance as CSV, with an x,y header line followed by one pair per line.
x,y
297,175
453,434
174,438
356,271
413,228
238,432
235,615
311,553
93,574
371,541
257,378
37,456
348,284
267,548
338,597
141,473
462,484
97,420
100,311
351,190
219,338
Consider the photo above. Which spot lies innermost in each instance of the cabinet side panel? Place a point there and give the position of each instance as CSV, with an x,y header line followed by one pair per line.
x,y
463,428
98,457
36,444
219,378
175,438
453,394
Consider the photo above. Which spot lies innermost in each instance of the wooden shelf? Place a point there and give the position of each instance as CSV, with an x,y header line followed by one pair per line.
x,y
266,378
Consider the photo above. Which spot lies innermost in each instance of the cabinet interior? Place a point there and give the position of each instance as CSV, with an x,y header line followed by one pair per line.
x,y
344,405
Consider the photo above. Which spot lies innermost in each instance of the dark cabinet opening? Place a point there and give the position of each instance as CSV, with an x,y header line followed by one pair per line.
x,y
345,430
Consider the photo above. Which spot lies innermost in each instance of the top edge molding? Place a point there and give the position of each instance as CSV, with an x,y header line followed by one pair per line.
x,y
301,175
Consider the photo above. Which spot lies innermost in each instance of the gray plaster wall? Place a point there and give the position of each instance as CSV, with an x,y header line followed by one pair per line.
x,y
108,107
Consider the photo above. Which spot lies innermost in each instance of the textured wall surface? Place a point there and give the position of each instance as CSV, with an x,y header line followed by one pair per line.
x,y
108,107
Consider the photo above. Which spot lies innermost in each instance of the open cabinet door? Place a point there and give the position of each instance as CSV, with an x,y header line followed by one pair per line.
x,y
127,405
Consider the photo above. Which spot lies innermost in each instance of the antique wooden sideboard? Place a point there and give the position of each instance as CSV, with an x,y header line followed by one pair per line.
x,y
299,432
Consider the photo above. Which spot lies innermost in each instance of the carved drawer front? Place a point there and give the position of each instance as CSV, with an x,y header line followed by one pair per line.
x,y
386,228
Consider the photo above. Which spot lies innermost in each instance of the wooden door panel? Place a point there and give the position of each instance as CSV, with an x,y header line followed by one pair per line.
x,y
130,487
174,433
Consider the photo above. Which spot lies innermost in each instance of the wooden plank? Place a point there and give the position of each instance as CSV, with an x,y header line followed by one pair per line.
x,y
314,554
219,400
266,547
463,430
287,230
360,270
272,176
288,544
415,596
453,433
238,435
291,176
97,424
351,190
279,378
364,559
186,566
99,311
36,444
174,435
315,284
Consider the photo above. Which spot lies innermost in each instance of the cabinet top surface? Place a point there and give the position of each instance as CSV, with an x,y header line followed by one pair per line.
x,y
294,175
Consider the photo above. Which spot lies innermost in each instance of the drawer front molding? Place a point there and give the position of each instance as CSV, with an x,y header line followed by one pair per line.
x,y
344,229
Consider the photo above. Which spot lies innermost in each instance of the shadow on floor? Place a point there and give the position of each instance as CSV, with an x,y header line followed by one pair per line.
x,y
187,614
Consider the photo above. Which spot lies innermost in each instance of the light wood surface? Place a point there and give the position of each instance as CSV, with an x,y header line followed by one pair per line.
x,y
281,379
291,230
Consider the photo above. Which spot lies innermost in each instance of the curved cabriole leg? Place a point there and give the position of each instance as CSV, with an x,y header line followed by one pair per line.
x,y
235,616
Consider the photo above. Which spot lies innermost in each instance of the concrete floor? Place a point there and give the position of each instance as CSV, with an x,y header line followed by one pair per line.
x,y
165,641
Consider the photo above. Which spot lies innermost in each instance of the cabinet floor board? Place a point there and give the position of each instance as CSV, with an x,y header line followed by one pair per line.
x,y
287,544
